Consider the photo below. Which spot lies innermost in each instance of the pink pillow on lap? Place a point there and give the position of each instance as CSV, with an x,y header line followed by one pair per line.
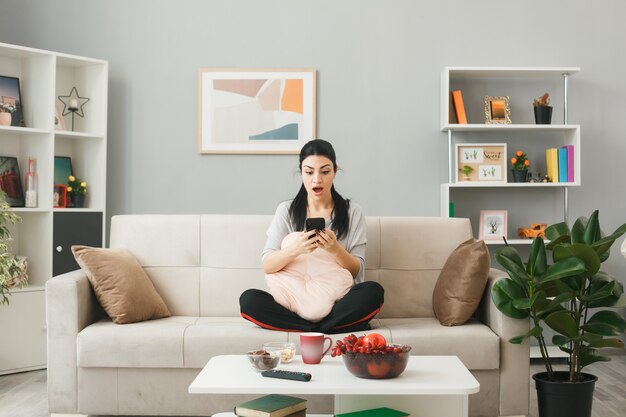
x,y
310,284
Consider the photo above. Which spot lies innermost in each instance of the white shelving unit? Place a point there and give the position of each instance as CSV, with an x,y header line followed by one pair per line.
x,y
44,76
521,84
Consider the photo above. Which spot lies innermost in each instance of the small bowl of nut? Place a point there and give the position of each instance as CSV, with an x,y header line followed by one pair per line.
x,y
286,350
262,360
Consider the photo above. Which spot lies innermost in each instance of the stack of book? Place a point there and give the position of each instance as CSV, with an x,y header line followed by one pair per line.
x,y
272,405
560,163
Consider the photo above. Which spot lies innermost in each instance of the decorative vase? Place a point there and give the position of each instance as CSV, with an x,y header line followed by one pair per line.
x,y
520,176
78,201
543,115
5,119
559,398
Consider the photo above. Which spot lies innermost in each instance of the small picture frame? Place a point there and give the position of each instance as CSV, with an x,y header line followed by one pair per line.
x,y
497,110
59,122
11,100
62,169
482,163
11,182
59,196
493,225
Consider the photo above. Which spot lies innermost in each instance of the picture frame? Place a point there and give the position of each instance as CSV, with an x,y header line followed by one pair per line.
x,y
487,163
11,99
493,225
11,182
497,110
255,111
62,169
59,196
59,122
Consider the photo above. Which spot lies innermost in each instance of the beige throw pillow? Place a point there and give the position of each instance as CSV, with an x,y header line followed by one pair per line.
x,y
461,283
121,285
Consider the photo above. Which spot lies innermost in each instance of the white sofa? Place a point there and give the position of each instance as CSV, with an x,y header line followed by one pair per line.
x,y
200,264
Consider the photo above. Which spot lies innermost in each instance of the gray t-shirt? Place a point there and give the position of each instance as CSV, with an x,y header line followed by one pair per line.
x,y
354,241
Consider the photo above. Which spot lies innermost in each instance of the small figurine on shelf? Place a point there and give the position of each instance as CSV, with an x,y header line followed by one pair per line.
x,y
76,191
535,230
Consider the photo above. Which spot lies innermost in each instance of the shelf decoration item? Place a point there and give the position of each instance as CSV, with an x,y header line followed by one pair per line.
x,y
10,181
12,268
493,225
77,191
459,108
256,110
59,122
519,165
497,110
487,161
543,110
32,184
10,101
73,104
59,196
535,230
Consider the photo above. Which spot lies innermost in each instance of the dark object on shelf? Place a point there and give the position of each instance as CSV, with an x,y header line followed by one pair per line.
x,y
78,201
543,115
11,100
520,176
551,395
10,181
73,103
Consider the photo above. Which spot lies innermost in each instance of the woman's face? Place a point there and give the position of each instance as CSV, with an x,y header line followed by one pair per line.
x,y
318,175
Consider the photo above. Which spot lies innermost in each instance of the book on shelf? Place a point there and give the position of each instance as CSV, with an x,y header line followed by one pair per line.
x,y
459,109
562,152
375,412
272,405
552,164
570,162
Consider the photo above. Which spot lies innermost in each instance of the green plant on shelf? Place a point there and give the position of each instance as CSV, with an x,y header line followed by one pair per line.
x,y
12,269
76,186
542,101
520,161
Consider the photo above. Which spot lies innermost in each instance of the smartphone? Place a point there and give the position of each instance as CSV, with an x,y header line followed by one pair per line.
x,y
315,223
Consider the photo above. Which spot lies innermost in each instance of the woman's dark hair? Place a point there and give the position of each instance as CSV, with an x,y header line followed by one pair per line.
x,y
297,210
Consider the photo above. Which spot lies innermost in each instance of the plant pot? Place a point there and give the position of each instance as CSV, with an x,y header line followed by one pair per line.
x,y
520,176
559,398
78,201
5,119
543,115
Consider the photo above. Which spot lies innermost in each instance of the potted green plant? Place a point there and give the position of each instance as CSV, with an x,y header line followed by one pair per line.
x,y
519,165
12,269
467,171
562,296
76,190
543,110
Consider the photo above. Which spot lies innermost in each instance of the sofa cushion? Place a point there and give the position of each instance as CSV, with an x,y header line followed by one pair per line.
x,y
461,283
474,343
120,284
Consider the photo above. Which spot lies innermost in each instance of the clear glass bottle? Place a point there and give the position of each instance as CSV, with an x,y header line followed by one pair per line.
x,y
31,184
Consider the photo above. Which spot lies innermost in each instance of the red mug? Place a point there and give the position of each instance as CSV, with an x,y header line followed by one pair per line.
x,y
312,347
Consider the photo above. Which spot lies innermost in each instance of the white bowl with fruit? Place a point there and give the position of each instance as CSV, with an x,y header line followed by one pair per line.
x,y
370,356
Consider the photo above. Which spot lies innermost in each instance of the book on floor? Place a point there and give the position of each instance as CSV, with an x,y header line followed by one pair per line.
x,y
272,405
375,412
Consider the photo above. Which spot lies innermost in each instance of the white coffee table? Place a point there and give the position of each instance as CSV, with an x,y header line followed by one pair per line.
x,y
431,386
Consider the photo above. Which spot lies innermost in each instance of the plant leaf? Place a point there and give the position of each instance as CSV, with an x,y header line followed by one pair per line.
x,y
592,231
603,245
610,343
503,293
510,260
563,268
581,251
587,358
563,323
537,261
605,323
560,340
557,230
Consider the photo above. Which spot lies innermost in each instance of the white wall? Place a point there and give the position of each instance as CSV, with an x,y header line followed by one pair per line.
x,y
379,64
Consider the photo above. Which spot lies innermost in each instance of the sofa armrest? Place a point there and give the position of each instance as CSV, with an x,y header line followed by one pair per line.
x,y
514,359
70,307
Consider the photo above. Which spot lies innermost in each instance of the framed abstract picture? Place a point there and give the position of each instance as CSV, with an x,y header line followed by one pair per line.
x,y
493,225
10,181
256,111
10,101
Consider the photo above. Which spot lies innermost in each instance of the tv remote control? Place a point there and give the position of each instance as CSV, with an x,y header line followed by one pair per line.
x,y
279,373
